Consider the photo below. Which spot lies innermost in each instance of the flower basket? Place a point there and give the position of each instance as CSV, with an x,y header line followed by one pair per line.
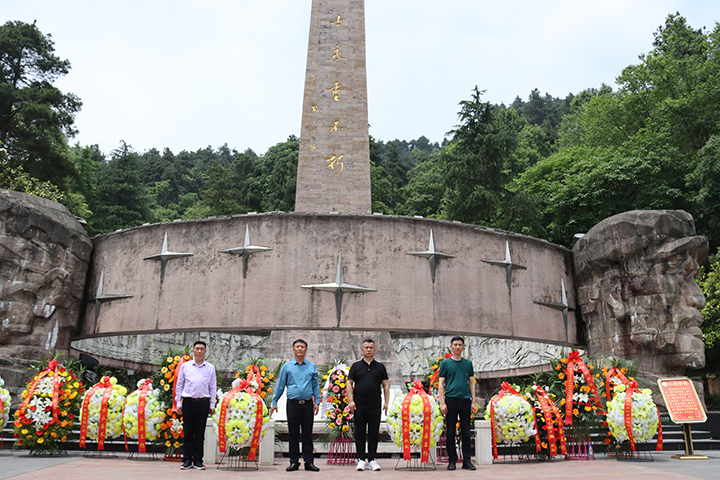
x,y
48,409
239,421
512,419
415,421
144,413
101,412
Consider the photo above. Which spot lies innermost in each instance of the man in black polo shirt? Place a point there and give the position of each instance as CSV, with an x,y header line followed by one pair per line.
x,y
365,378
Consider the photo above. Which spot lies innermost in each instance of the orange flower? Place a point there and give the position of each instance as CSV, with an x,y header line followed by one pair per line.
x,y
607,441
576,411
53,434
564,360
561,376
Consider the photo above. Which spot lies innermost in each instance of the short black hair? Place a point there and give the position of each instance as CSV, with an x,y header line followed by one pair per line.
x,y
200,342
456,338
369,340
300,340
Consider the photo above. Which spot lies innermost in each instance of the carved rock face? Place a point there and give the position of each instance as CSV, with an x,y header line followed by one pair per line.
x,y
44,256
637,292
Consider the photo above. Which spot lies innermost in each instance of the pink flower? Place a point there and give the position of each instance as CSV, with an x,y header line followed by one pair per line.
x,y
336,389
338,421
337,410
350,417
346,409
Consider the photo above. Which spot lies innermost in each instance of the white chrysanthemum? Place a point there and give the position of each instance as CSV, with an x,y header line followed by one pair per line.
x,y
154,414
241,415
394,421
644,415
116,403
514,419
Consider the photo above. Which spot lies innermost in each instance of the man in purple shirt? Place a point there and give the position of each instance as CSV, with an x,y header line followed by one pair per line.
x,y
195,396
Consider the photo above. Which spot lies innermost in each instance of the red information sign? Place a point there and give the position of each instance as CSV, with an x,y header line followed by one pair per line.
x,y
682,400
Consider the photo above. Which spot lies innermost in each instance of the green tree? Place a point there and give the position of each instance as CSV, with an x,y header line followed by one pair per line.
x,y
279,165
478,166
35,117
122,199
709,282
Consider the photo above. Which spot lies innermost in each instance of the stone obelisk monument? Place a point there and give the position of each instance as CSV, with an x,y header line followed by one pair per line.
x,y
334,162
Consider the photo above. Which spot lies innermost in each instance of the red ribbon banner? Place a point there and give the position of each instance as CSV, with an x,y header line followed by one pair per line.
x,y
631,387
182,360
575,359
244,386
102,427
52,368
142,438
255,370
549,411
613,372
416,389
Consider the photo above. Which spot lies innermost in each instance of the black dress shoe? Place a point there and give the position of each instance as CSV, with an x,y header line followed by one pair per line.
x,y
468,466
451,466
293,466
311,467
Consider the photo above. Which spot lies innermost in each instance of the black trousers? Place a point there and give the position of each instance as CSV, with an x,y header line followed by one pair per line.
x,y
458,407
195,414
300,417
366,419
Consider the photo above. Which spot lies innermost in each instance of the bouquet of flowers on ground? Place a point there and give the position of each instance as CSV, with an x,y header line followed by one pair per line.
x,y
334,392
633,407
144,413
172,427
261,379
240,418
550,424
511,417
48,409
415,420
101,411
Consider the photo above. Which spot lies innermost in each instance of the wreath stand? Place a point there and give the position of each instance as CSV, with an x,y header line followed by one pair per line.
x,y
579,449
99,453
441,449
414,464
237,460
342,451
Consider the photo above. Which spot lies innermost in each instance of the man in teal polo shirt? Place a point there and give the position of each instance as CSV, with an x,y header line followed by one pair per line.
x,y
300,376
457,399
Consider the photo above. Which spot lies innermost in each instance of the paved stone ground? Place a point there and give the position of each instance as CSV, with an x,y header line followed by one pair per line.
x,y
21,466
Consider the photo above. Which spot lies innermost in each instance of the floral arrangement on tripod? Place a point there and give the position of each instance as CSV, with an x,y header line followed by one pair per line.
x,y
171,428
334,393
49,406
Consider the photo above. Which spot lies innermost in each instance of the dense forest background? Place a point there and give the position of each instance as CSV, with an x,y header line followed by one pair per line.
x,y
544,166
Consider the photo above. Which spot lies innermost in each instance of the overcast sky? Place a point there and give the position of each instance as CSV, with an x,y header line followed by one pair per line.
x,y
187,74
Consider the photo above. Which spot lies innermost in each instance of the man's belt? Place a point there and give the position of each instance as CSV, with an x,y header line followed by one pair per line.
x,y
299,402
196,400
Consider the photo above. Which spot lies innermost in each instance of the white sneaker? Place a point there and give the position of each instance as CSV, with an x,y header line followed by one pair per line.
x,y
360,466
374,466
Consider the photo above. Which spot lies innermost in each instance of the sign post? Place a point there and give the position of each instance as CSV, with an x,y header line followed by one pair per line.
x,y
684,407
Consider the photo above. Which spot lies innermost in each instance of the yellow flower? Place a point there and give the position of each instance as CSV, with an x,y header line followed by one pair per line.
x,y
176,444
40,440
163,369
24,431
332,425
271,376
162,382
169,359
167,387
177,358
329,413
167,443
345,428
263,368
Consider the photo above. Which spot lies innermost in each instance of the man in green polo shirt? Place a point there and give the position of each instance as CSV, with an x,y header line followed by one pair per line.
x,y
457,399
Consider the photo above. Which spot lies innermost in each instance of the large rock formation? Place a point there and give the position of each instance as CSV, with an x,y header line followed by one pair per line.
x,y
634,274
44,257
